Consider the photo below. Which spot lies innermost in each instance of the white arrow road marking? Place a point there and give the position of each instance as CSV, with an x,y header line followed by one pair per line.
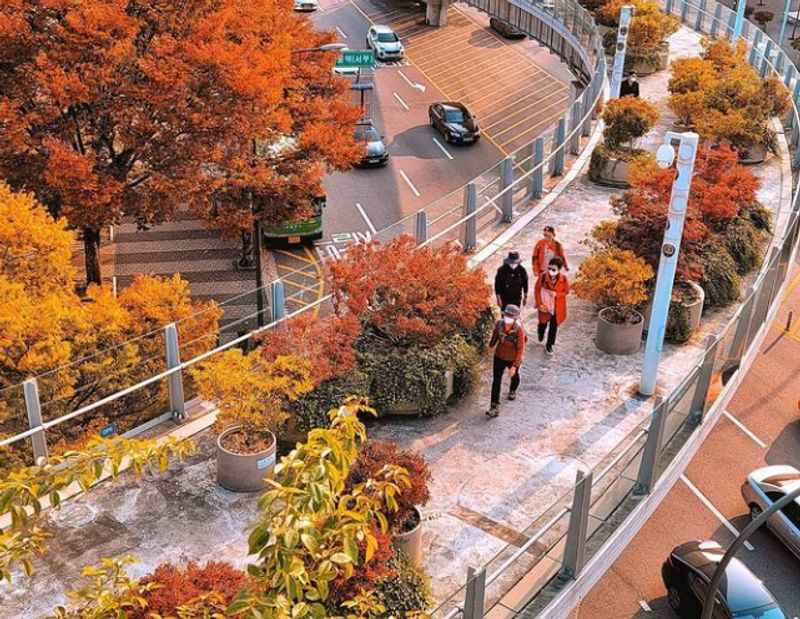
x,y
420,87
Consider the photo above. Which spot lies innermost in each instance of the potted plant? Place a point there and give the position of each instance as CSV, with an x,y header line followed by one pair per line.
x,y
685,311
615,281
626,120
404,522
252,397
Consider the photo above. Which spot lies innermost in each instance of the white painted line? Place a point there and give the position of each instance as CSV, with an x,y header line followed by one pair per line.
x,y
704,500
400,100
341,32
443,149
366,219
415,85
745,429
410,184
645,606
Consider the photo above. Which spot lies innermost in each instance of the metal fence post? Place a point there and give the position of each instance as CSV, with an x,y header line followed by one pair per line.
x,y
475,596
731,26
34,408
536,182
754,49
789,75
701,16
767,58
684,10
506,180
574,128
557,160
421,228
277,294
716,21
470,225
668,8
588,97
177,404
655,434
743,326
575,549
698,405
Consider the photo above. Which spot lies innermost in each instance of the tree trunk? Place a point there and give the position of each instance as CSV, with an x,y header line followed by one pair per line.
x,y
91,251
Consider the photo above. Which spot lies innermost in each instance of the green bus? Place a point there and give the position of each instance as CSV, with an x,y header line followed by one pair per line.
x,y
303,231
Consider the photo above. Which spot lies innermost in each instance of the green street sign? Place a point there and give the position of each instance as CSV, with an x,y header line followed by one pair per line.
x,y
356,58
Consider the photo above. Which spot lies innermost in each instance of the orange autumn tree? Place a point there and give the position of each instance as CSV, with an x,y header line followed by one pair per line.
x,y
409,295
120,108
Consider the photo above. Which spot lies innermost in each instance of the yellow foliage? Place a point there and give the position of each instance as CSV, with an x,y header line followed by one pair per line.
x,y
613,277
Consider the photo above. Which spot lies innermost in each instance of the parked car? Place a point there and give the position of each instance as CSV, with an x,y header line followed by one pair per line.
x,y
764,487
505,29
688,571
454,121
306,5
385,42
375,152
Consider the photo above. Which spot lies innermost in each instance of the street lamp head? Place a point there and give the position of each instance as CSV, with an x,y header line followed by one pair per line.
x,y
665,155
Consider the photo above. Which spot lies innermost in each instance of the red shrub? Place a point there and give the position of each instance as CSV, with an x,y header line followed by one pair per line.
x,y
178,586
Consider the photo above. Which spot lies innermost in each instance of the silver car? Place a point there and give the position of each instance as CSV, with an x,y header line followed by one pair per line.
x,y
385,42
766,486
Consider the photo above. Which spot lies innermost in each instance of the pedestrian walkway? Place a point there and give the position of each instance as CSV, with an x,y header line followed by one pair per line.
x,y
492,478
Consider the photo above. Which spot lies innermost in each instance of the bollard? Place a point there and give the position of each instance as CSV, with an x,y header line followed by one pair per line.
x,y
475,596
716,21
506,180
575,548
277,294
574,128
789,322
34,408
177,404
647,468
470,225
536,179
421,227
557,152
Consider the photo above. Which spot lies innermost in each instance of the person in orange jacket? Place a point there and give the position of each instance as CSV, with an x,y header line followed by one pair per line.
x,y
551,293
545,249
509,338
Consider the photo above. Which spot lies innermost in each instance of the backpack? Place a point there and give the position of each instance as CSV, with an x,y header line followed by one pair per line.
x,y
512,336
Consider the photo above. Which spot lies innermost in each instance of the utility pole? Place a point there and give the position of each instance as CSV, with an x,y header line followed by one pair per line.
x,y
625,16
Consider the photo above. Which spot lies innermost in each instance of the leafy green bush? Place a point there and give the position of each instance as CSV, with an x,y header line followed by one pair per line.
x,y
478,335
760,215
311,410
678,329
720,280
407,593
743,241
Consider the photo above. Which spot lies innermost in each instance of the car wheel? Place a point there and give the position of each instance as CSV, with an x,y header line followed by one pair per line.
x,y
368,45
674,598
755,511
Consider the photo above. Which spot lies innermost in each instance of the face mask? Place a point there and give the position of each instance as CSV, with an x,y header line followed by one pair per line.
x,y
513,265
508,320
553,272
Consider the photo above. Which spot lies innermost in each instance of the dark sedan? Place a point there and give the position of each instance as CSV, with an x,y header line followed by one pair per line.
x,y
688,571
454,121
374,151
505,29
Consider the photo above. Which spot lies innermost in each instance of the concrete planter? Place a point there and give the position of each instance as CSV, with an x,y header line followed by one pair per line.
x,y
411,542
610,172
407,407
244,472
642,67
619,338
753,155
694,310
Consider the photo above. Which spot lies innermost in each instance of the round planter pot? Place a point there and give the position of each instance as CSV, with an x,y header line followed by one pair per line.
x,y
411,542
753,155
244,472
618,338
694,309
611,173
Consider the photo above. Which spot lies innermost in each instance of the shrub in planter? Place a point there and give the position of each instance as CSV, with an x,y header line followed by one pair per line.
x,y
744,243
720,280
311,409
763,18
759,215
678,329
648,32
407,593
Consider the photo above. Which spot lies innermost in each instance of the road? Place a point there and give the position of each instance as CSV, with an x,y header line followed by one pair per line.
x,y
759,428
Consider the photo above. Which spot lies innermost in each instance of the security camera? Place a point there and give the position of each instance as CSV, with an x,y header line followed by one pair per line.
x,y
665,155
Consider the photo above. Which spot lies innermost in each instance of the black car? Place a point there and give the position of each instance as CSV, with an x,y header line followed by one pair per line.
x,y
503,28
374,151
688,571
454,122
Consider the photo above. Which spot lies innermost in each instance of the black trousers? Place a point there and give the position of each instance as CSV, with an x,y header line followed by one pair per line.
x,y
551,335
500,367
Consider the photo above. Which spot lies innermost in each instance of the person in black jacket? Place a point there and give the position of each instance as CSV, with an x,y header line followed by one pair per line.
x,y
511,282
629,86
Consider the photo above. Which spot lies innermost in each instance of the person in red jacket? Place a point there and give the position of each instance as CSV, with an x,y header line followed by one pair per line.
x,y
551,293
545,249
508,338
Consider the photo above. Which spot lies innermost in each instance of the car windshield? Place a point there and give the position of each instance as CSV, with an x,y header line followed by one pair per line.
x,y
770,612
745,593
453,115
366,133
387,37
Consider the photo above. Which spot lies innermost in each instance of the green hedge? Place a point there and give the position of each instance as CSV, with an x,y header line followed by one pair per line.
x,y
311,410
743,240
720,280
408,593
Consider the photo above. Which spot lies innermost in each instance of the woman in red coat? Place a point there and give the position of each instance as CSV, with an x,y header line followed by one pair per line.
x,y
551,292
547,247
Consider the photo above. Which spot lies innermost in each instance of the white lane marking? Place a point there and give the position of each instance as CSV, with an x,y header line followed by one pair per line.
x,y
704,500
745,429
420,87
400,100
645,606
341,32
410,184
443,149
366,218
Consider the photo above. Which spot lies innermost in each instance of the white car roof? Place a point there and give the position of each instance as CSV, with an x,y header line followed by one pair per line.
x,y
379,28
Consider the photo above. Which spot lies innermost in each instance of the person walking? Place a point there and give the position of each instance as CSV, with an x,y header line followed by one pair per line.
x,y
545,249
508,340
629,86
551,292
511,282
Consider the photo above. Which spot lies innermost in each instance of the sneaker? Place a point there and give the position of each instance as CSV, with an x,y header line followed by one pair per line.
x,y
548,349
493,411
512,395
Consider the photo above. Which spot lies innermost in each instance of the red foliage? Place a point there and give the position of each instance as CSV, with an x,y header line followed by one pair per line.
x,y
178,586
365,575
407,294
373,456
326,343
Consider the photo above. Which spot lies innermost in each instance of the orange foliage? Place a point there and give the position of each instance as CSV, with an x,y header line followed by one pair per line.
x,y
326,343
410,295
